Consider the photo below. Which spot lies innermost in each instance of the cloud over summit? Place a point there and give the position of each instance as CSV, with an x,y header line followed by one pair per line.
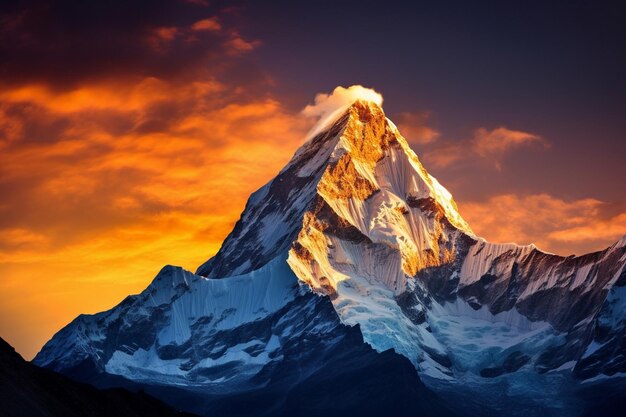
x,y
327,107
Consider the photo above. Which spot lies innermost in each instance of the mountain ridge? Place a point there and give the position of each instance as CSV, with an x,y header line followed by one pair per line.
x,y
354,226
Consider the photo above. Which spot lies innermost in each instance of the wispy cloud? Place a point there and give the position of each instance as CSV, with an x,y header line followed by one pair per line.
x,y
211,24
485,145
415,127
553,224
497,141
327,107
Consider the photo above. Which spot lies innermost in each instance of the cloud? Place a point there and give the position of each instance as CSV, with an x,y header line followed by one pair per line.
x,y
161,38
211,24
327,107
499,140
485,145
14,238
157,160
237,45
553,224
601,229
414,127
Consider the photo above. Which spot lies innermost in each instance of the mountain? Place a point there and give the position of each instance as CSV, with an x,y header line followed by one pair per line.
x,y
256,344
29,391
354,251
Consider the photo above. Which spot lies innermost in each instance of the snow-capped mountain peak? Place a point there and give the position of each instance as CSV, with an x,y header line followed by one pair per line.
x,y
361,167
374,188
356,218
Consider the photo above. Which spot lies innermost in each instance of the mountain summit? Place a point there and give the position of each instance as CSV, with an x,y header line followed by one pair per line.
x,y
354,250
360,168
361,155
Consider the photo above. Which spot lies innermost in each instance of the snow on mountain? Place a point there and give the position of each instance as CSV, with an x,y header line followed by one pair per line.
x,y
356,218
257,344
181,326
386,242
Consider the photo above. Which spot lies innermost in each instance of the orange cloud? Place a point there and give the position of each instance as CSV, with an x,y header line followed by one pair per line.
x,y
238,45
166,33
496,141
103,96
16,238
210,24
414,127
553,224
160,38
601,229
487,145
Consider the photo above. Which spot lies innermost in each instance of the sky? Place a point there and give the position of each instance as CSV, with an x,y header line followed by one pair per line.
x,y
132,133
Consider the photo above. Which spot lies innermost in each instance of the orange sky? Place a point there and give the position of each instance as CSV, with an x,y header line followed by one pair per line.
x,y
107,176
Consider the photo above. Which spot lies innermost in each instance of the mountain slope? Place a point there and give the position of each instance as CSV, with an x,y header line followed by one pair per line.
x,y
249,351
27,390
355,218
371,228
